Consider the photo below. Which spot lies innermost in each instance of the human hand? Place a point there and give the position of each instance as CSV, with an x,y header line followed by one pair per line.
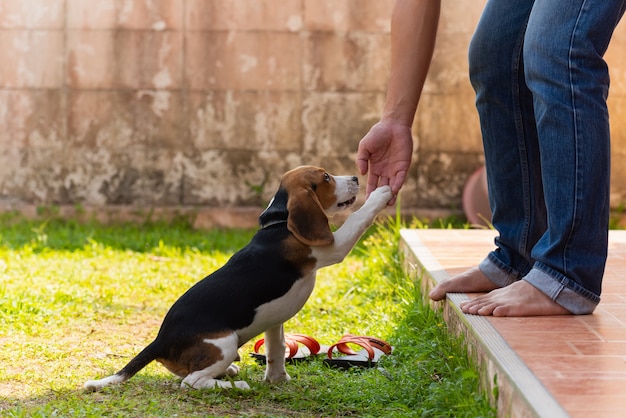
x,y
385,153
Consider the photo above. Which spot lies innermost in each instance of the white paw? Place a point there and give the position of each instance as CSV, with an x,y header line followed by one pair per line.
x,y
210,383
275,377
232,370
381,196
241,384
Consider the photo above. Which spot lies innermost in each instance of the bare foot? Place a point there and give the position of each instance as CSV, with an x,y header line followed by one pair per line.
x,y
470,281
517,299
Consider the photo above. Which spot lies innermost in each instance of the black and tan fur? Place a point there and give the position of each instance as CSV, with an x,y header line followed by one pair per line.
x,y
261,286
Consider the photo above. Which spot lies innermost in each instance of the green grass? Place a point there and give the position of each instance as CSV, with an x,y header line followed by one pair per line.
x,y
77,301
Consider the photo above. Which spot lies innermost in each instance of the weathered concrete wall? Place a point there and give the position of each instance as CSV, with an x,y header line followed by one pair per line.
x,y
204,103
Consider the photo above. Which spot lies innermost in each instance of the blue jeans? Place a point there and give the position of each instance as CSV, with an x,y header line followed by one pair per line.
x,y
541,86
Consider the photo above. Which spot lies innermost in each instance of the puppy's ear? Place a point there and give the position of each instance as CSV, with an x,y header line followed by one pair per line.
x,y
307,220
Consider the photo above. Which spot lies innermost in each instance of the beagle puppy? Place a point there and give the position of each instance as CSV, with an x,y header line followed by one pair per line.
x,y
261,286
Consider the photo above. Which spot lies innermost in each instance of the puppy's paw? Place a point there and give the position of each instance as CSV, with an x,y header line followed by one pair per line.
x,y
380,197
232,370
240,384
276,377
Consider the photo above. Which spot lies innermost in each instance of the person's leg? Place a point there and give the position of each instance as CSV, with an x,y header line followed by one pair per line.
x,y
563,51
505,108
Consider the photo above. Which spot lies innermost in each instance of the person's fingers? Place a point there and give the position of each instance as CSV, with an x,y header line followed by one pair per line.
x,y
372,183
363,158
397,182
362,165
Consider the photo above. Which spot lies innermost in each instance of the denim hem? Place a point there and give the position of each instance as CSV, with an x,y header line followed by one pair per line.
x,y
499,273
562,290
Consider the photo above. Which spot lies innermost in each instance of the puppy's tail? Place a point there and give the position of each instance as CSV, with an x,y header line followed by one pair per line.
x,y
140,361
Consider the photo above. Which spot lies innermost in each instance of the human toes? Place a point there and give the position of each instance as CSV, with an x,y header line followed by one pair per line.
x,y
478,306
438,292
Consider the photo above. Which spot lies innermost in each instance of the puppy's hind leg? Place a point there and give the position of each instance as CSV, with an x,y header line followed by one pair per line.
x,y
208,376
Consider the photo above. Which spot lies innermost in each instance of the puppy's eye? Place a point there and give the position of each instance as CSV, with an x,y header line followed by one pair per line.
x,y
327,177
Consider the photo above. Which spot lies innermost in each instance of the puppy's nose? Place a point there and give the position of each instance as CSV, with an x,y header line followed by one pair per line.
x,y
355,179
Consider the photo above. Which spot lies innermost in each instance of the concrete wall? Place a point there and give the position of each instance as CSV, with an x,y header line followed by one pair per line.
x,y
205,103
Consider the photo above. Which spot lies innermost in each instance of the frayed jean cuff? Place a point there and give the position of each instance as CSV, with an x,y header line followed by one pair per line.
x,y
495,270
562,290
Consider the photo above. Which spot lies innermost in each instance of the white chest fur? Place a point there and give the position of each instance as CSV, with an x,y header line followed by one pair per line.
x,y
279,310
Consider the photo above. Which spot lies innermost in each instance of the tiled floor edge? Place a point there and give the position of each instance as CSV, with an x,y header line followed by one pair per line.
x,y
520,393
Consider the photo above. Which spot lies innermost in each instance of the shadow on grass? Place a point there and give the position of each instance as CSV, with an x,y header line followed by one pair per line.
x,y
60,234
314,391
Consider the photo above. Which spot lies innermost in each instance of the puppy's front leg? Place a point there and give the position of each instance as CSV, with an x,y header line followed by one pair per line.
x,y
352,229
275,355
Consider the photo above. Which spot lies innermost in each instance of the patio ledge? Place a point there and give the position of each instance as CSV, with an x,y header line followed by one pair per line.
x,y
513,388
